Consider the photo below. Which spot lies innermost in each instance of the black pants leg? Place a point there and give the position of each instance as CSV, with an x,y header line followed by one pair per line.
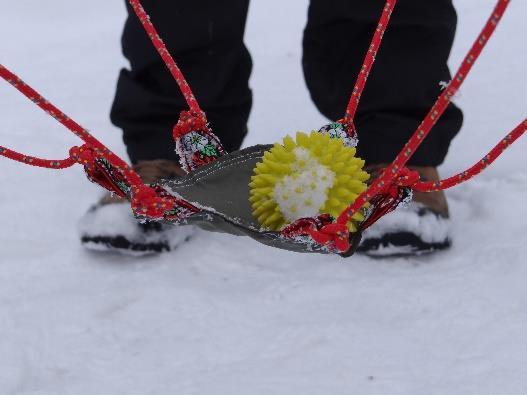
x,y
208,45
405,80
206,41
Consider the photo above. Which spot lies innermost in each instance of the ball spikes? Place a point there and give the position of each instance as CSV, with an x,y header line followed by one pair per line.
x,y
305,176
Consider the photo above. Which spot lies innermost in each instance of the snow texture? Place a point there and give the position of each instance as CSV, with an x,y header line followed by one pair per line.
x,y
114,220
225,315
429,227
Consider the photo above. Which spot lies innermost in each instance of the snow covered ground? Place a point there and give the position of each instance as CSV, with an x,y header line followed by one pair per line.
x,y
224,315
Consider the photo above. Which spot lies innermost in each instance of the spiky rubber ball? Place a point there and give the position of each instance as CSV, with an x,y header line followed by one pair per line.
x,y
304,177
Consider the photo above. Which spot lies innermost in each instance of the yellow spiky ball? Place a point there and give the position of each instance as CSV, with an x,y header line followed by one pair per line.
x,y
314,174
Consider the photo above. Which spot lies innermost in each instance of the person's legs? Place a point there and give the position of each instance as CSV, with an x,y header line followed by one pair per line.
x,y
405,80
207,43
402,87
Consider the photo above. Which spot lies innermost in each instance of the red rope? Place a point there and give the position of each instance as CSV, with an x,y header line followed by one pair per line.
x,y
49,108
393,171
145,201
165,55
368,61
444,99
33,161
477,168
69,123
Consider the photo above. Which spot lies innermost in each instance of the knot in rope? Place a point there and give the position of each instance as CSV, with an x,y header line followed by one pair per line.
x,y
87,156
190,121
351,130
393,186
196,145
404,178
334,235
407,177
146,203
84,155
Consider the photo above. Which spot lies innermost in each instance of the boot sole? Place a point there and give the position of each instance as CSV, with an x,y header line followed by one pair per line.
x,y
400,244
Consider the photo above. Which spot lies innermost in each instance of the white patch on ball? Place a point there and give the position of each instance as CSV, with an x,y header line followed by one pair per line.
x,y
304,193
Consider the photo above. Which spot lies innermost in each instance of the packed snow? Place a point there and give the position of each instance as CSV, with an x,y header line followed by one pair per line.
x,y
225,315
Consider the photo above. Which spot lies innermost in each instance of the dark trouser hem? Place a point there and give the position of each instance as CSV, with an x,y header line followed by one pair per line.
x,y
404,82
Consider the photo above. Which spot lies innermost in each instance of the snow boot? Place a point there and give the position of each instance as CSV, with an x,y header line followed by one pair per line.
x,y
110,225
420,227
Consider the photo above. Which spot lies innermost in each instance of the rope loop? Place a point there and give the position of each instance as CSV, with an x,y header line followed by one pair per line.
x,y
147,204
407,177
189,121
55,164
334,235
